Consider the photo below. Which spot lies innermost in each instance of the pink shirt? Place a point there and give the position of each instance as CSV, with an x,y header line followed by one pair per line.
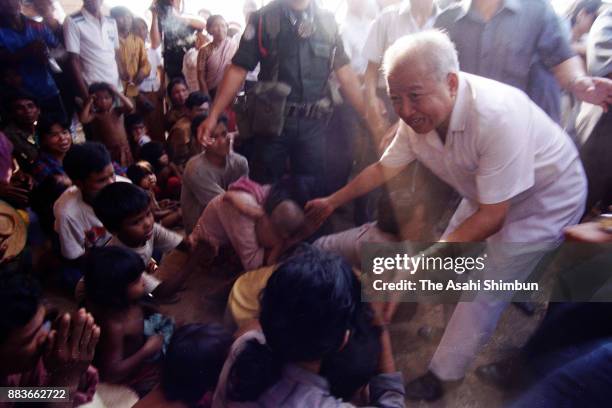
x,y
222,224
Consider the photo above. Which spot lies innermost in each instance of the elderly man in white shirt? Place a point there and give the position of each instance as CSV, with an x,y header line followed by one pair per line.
x,y
519,175
91,40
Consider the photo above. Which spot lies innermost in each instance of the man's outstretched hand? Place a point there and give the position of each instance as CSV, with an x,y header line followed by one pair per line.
x,y
318,210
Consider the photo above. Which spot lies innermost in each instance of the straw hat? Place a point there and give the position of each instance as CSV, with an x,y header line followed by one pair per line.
x,y
13,229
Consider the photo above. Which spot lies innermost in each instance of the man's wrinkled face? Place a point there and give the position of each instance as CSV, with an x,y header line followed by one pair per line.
x,y
422,101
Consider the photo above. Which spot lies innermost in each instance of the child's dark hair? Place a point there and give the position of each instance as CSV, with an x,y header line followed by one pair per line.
x,y
85,159
118,201
194,361
299,189
152,152
138,171
132,120
174,82
589,6
46,122
101,86
20,296
197,121
352,367
306,309
196,99
108,272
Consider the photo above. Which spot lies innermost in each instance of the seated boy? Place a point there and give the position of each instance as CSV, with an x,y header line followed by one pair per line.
x,y
89,167
125,211
136,131
209,174
133,337
181,145
106,121
191,367
261,235
34,348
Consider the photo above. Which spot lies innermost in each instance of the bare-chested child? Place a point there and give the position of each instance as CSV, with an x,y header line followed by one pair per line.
x,y
115,291
106,120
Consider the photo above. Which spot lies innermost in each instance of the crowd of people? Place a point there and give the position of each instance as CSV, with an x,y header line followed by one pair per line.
x,y
136,151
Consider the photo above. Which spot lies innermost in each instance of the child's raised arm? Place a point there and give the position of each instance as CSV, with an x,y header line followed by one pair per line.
x,y
113,366
126,105
236,199
86,115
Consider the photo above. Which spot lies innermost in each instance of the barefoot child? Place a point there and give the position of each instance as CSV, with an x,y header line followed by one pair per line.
x,y
106,121
128,349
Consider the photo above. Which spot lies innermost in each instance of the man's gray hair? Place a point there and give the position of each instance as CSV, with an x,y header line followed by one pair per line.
x,y
431,47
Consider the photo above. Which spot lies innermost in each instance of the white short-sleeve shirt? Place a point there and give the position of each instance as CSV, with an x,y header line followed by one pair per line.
x,y
392,23
500,146
153,82
95,42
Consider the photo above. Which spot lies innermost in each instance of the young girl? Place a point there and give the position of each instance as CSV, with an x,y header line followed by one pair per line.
x,y
132,338
168,176
106,121
166,212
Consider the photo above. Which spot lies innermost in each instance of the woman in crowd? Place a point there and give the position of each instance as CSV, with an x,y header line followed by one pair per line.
x,y
216,56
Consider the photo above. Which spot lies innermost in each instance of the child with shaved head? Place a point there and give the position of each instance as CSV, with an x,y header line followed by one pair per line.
x,y
259,222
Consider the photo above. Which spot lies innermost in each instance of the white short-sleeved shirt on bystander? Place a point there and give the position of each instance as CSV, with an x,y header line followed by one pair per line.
x,y
162,240
392,23
500,146
152,82
77,225
95,42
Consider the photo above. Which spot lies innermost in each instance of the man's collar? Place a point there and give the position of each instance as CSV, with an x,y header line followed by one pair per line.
x,y
406,7
462,106
512,5
90,16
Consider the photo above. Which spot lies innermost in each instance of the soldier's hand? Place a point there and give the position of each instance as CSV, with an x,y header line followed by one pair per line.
x,y
205,130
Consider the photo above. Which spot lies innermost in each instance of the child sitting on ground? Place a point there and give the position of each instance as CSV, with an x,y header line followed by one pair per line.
x,y
132,337
125,211
209,173
106,121
166,212
169,177
89,167
259,224
137,133
191,367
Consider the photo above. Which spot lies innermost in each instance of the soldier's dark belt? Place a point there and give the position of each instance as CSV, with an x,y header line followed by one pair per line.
x,y
314,110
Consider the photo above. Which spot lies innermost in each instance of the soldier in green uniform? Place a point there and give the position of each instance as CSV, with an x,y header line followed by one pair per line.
x,y
299,47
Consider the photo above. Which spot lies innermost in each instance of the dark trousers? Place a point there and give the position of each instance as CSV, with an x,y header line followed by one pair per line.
x,y
300,149
585,381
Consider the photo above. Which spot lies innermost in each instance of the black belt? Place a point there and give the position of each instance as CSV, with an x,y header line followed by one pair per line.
x,y
314,110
